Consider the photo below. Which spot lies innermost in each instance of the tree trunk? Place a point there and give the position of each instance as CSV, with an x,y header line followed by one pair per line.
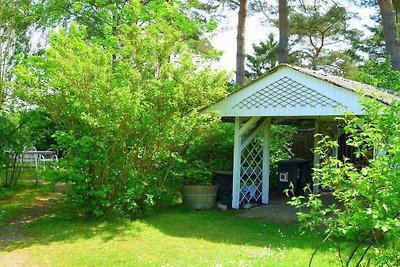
x,y
283,32
390,32
240,42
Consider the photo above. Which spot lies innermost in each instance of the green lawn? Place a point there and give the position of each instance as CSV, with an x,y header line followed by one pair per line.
x,y
177,237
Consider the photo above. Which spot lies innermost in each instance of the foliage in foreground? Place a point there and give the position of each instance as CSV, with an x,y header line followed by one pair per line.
x,y
369,198
125,104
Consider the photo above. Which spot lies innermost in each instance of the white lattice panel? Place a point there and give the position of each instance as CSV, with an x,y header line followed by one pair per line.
x,y
251,173
286,93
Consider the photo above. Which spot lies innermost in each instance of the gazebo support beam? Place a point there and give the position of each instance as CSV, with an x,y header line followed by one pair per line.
x,y
316,156
243,129
335,150
266,161
246,140
237,152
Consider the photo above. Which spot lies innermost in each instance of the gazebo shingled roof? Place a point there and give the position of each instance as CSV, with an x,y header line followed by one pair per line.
x,y
385,96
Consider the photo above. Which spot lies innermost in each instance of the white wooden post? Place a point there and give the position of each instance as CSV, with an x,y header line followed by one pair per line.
x,y
266,160
237,152
335,151
316,156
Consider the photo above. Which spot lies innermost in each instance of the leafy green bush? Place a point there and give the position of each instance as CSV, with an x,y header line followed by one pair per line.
x,y
369,198
125,104
197,173
281,137
9,147
5,193
213,146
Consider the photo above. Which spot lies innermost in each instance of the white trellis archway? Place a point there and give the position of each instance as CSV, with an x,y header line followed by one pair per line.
x,y
285,95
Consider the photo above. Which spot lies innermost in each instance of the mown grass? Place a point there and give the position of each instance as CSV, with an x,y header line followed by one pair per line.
x,y
177,237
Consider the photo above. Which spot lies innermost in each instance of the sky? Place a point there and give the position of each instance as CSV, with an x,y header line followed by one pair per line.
x,y
225,40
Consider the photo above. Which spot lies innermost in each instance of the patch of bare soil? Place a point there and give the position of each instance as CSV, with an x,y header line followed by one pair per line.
x,y
14,259
14,230
278,211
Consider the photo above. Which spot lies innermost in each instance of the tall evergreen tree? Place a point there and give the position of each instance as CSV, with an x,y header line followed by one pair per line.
x,y
240,43
392,42
244,7
387,18
266,57
316,31
283,31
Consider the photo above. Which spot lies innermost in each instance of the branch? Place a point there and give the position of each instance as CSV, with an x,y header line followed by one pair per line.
x,y
86,22
365,252
363,239
13,132
315,251
234,2
303,6
339,252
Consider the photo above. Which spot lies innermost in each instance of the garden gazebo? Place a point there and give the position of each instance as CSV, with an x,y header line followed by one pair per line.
x,y
284,95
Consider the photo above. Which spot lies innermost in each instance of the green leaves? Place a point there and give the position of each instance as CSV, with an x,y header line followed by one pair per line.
x,y
367,213
15,20
125,104
77,6
380,74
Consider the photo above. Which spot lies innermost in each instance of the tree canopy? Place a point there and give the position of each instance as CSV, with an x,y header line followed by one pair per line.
x,y
125,103
15,19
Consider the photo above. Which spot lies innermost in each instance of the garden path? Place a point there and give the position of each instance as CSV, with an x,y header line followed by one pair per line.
x,y
14,229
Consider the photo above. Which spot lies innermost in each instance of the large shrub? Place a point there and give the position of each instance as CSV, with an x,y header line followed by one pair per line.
x,y
125,104
368,214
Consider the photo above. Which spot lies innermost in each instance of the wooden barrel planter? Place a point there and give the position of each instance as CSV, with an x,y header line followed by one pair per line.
x,y
199,196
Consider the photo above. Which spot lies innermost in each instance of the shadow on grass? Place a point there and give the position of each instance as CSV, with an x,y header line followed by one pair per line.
x,y
227,227
63,225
